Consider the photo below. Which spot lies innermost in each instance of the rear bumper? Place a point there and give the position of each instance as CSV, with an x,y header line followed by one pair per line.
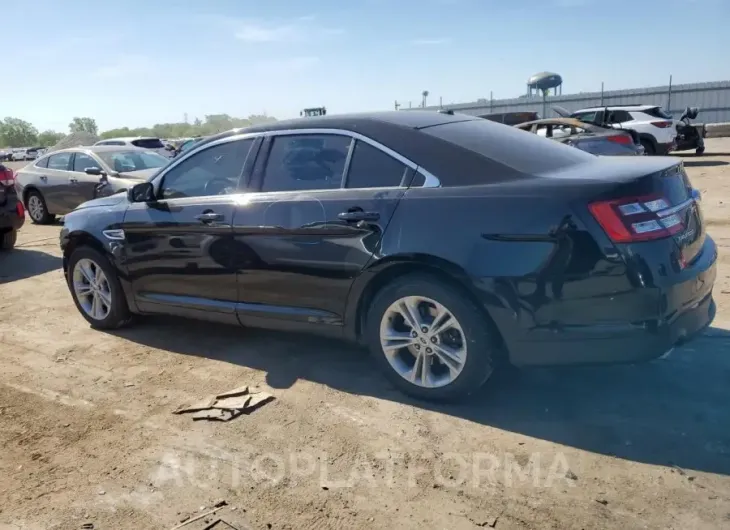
x,y
674,313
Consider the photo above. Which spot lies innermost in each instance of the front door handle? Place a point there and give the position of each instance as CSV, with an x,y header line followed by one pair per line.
x,y
73,180
209,217
359,215
43,177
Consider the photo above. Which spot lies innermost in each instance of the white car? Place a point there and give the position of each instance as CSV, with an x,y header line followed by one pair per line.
x,y
145,142
19,155
656,128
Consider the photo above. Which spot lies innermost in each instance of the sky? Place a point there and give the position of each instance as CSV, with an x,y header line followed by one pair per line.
x,y
136,63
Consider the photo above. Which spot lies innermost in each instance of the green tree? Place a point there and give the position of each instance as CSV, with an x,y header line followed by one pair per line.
x,y
15,132
49,138
84,124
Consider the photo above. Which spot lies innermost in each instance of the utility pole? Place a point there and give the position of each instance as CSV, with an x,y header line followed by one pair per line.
x,y
397,105
669,95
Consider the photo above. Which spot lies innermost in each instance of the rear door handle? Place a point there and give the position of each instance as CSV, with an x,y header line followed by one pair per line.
x,y
209,217
43,177
73,180
359,215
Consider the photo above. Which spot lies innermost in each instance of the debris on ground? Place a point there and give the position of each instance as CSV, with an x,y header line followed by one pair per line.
x,y
570,475
206,522
602,501
226,406
483,518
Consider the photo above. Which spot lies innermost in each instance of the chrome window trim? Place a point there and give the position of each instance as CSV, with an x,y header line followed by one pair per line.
x,y
431,181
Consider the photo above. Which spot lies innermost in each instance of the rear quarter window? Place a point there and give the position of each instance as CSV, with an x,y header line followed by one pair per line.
x,y
508,146
43,162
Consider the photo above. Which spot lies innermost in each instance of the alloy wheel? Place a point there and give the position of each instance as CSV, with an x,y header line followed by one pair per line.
x,y
423,341
35,208
92,289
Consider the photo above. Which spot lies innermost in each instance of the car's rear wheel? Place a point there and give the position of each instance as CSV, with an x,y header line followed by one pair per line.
x,y
430,340
96,290
37,209
648,148
8,239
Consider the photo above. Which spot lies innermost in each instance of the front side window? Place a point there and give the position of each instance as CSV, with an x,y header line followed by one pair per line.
x,y
306,162
372,168
213,171
83,161
59,161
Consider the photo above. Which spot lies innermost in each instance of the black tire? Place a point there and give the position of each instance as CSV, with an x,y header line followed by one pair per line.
x,y
119,314
649,149
479,334
8,239
43,218
700,150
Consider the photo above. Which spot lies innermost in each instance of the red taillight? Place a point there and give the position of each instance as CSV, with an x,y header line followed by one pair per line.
x,y
20,209
662,124
637,218
621,139
6,177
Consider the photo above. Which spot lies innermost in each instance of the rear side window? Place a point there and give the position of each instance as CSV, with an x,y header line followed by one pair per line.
x,y
306,162
372,168
59,161
619,116
525,153
588,117
658,112
43,162
148,143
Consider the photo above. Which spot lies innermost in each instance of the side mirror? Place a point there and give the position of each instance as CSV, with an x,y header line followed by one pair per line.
x,y
142,192
94,171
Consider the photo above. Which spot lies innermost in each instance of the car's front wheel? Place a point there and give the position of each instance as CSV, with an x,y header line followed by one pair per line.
x,y
96,290
430,340
37,209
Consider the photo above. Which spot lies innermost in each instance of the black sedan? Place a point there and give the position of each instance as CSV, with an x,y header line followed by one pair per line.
x,y
445,243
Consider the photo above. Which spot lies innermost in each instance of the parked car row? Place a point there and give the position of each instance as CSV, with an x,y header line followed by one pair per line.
x,y
57,183
446,243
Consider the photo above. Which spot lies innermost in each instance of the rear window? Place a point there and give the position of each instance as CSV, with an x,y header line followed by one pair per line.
x,y
511,147
658,112
148,143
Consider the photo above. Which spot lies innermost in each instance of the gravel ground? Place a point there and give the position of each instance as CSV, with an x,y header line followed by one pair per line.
x,y
88,436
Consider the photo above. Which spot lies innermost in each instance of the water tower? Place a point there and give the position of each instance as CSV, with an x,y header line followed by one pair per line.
x,y
542,83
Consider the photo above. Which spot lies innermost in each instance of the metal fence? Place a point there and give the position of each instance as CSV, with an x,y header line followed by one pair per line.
x,y
713,99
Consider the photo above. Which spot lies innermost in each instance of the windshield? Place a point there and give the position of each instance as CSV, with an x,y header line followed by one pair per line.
x,y
125,161
509,146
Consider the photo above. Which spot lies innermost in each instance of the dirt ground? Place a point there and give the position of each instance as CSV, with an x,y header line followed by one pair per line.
x,y
89,438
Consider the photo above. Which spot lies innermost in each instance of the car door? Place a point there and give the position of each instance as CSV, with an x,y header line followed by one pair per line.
x,y
55,179
323,203
82,187
177,247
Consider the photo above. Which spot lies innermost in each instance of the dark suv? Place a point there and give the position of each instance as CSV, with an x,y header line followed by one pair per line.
x,y
12,213
444,242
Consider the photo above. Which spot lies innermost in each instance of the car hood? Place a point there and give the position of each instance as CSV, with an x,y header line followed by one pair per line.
x,y
142,174
108,202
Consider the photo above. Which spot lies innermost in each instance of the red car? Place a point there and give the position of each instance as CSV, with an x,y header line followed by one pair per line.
x,y
12,213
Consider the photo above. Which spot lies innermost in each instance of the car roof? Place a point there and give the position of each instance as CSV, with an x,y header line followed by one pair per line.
x,y
619,107
129,138
414,120
99,148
